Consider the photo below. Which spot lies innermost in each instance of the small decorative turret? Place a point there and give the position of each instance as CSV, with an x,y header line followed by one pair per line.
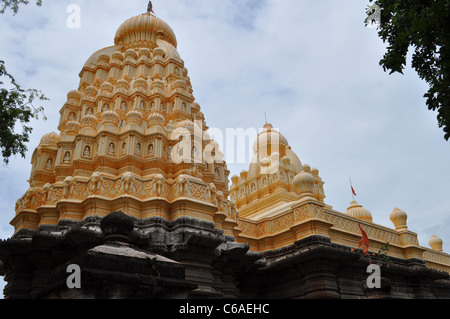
x,y
399,218
304,181
235,180
244,175
357,211
50,139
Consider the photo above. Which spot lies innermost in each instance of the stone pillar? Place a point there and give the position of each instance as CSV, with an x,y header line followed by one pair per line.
x,y
197,255
320,279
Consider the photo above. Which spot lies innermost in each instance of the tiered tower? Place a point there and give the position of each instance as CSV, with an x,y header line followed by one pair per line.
x,y
132,138
281,201
276,177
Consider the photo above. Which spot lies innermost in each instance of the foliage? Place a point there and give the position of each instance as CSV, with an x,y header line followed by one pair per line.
x,y
424,26
383,253
16,106
14,5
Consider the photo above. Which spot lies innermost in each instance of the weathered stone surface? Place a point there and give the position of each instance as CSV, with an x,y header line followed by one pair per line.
x,y
198,262
316,268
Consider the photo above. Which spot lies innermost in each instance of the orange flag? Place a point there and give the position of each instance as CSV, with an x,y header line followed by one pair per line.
x,y
150,7
364,243
353,191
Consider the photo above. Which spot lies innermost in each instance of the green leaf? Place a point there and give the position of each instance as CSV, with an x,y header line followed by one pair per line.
x,y
16,107
424,26
14,5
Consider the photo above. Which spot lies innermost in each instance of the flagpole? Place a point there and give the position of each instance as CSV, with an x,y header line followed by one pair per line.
x,y
351,187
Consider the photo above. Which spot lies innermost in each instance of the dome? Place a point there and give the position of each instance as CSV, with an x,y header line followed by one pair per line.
x,y
134,116
106,86
357,211
50,138
303,178
304,181
189,125
72,127
156,119
89,120
94,59
144,30
137,32
271,141
75,95
268,136
110,117
123,84
436,243
91,90
399,218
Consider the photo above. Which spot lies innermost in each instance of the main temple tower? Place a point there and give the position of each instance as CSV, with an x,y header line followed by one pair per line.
x,y
131,138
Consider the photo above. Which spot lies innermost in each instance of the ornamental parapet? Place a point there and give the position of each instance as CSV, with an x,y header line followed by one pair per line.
x,y
77,191
310,217
282,222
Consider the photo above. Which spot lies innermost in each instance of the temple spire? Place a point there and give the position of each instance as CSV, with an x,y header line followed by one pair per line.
x,y
150,7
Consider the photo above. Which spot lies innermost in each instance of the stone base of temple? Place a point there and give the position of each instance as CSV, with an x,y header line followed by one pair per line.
x,y
316,268
191,259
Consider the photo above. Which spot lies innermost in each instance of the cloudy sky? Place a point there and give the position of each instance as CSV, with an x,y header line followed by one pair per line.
x,y
311,66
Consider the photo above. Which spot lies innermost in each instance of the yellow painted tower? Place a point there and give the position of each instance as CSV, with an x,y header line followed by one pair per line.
x,y
132,138
280,201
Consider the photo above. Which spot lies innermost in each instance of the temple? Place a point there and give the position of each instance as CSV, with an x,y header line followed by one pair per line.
x,y
135,192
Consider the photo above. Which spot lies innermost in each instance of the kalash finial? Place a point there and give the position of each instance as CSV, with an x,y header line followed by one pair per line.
x,y
150,7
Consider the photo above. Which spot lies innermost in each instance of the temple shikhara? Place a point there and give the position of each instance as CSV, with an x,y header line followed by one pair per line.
x,y
134,191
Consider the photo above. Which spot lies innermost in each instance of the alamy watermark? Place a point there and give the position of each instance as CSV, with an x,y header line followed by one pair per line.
x,y
197,145
374,280
74,19
74,279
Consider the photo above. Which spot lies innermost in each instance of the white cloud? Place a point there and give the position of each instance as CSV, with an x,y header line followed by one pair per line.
x,y
5,233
